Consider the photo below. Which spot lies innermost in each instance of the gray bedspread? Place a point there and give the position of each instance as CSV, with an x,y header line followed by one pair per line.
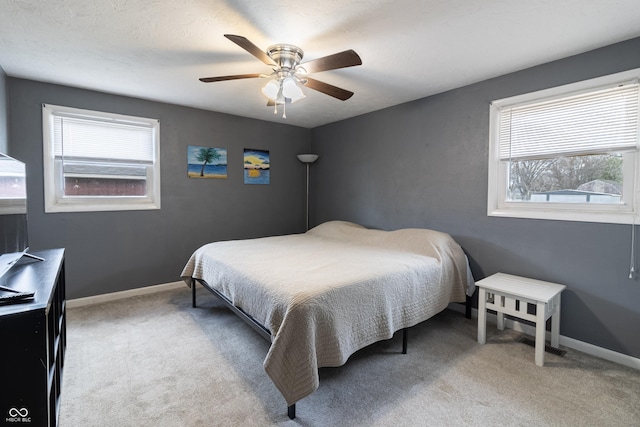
x,y
331,291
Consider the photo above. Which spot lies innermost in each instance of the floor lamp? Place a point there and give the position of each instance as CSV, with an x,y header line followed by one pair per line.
x,y
307,159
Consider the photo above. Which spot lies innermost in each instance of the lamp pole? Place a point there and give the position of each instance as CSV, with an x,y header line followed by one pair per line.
x,y
307,159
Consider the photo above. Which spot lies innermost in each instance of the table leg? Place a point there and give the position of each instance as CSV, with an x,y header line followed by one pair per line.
x,y
499,314
540,333
482,316
555,323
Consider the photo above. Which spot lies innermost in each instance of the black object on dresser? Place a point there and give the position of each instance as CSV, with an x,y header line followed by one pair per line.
x,y
33,342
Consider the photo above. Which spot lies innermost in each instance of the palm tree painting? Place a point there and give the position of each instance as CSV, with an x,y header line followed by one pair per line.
x,y
205,162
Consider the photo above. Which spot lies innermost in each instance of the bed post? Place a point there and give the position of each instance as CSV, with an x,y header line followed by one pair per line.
x,y
193,292
291,411
405,337
467,311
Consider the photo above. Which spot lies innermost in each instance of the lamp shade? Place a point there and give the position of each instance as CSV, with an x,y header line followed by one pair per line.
x,y
307,158
291,90
271,89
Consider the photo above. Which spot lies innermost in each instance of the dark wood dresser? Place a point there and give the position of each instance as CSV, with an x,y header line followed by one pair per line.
x,y
33,342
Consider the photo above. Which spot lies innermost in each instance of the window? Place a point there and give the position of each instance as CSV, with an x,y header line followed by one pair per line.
x,y
567,153
95,161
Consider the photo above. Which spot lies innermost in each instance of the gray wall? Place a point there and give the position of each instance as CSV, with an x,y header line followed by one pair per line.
x,y
406,166
424,164
113,251
4,114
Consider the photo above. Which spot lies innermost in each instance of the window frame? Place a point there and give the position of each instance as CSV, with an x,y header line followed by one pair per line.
x,y
498,206
54,198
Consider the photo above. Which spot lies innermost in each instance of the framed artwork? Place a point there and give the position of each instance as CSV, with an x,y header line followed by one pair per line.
x,y
256,166
205,162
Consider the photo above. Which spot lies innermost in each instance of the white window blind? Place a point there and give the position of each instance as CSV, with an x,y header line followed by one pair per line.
x,y
599,121
77,138
99,161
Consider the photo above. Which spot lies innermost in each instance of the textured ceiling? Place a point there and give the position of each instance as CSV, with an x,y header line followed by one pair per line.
x,y
157,49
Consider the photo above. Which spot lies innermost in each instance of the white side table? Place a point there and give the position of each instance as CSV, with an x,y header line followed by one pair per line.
x,y
508,294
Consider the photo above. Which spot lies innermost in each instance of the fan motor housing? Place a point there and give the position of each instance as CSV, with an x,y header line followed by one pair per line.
x,y
285,56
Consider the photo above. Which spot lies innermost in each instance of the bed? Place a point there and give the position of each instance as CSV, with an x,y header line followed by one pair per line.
x,y
322,295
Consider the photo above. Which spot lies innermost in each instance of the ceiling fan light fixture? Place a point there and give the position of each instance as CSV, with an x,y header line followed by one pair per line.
x,y
271,90
290,73
291,90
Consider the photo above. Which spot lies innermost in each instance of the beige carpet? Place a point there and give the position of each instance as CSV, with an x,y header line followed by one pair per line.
x,y
155,361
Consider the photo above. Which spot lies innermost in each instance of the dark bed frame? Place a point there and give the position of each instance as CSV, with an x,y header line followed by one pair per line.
x,y
266,334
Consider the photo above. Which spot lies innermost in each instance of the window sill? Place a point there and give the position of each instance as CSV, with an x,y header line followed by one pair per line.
x,y
603,216
97,206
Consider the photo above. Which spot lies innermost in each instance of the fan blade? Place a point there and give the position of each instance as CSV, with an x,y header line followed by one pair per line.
x,y
254,50
328,89
234,77
348,58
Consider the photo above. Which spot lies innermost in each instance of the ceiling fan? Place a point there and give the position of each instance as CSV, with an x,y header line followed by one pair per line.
x,y
289,73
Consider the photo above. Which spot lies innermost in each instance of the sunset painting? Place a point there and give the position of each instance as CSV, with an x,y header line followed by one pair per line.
x,y
205,162
256,166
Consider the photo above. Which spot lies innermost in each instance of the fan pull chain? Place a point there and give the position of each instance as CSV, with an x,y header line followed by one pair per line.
x,y
284,110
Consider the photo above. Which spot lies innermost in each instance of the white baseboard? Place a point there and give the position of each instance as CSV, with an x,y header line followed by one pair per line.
x,y
582,346
113,296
